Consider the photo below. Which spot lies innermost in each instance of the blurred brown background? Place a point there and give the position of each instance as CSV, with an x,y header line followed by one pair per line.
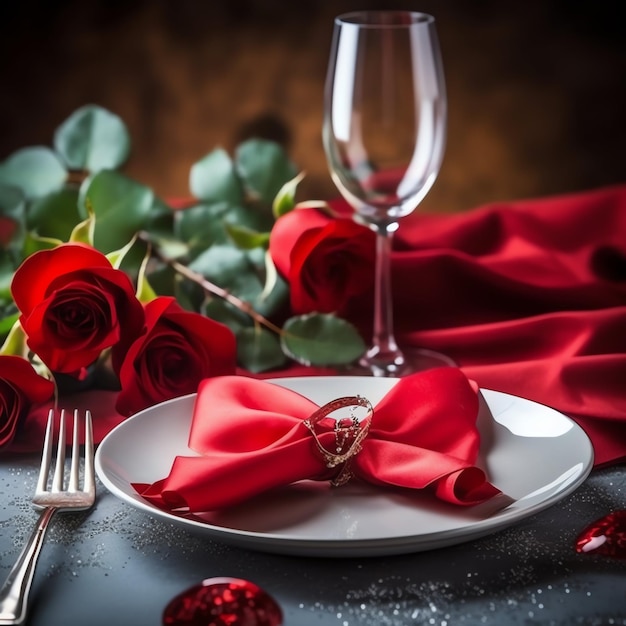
x,y
537,89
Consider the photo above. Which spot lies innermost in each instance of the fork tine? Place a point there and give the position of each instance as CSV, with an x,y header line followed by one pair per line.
x,y
89,479
59,470
74,467
46,456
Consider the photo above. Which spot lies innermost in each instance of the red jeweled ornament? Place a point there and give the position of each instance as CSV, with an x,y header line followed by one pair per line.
x,y
223,602
606,536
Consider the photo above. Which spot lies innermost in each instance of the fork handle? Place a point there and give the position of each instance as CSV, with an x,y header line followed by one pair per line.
x,y
15,590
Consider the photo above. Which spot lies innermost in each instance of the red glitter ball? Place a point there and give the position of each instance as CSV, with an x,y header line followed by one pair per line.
x,y
606,536
223,602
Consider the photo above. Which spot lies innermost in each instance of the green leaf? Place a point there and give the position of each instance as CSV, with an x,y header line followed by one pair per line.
x,y
7,268
121,206
54,215
12,203
15,342
272,277
264,167
214,179
7,323
241,272
13,208
170,247
117,256
204,225
37,171
259,350
321,340
224,312
93,139
33,243
145,292
246,238
160,221
285,200
83,232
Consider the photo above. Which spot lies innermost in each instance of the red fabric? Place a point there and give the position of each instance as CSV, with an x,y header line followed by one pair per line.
x,y
528,297
252,438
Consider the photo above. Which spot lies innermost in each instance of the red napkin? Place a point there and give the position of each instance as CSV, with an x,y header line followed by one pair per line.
x,y
252,437
528,297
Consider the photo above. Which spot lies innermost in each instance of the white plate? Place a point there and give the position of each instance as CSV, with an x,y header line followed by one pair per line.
x,y
533,453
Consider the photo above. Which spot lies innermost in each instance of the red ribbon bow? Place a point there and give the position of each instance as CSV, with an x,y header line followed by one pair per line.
x,y
253,436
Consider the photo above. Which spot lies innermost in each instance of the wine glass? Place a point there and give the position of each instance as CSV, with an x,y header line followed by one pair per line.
x,y
384,131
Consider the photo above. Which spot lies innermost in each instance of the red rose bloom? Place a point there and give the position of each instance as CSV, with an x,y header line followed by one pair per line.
x,y
73,305
177,351
329,263
20,388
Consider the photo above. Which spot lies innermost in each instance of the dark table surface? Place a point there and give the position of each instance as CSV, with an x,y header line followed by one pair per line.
x,y
119,565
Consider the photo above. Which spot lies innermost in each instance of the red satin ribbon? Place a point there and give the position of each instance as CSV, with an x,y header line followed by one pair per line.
x,y
251,437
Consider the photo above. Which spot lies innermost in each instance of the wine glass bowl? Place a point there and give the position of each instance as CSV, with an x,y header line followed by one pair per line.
x,y
385,117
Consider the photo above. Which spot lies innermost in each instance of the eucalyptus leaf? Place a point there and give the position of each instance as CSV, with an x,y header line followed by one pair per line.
x,y
264,167
228,267
37,171
321,339
258,350
54,215
160,221
122,207
214,179
93,139
162,280
241,273
13,209
204,225
222,311
12,203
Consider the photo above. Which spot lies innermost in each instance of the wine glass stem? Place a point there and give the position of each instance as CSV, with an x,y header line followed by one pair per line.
x,y
384,353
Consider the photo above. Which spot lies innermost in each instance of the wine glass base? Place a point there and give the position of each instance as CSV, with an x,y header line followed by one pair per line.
x,y
413,360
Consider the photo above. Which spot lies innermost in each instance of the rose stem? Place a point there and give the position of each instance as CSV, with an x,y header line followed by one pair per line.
x,y
207,285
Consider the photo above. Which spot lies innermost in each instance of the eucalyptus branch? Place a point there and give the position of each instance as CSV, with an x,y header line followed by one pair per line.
x,y
76,177
209,286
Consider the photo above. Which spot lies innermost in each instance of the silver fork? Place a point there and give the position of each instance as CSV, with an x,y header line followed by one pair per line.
x,y
59,496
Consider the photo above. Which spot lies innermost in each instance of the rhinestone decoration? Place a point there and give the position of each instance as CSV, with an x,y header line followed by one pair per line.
x,y
606,536
223,602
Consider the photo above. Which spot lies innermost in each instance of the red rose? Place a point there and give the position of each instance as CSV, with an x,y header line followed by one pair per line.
x,y
20,388
329,263
73,305
177,351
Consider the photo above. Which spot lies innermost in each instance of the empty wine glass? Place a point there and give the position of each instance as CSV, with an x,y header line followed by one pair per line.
x,y
385,115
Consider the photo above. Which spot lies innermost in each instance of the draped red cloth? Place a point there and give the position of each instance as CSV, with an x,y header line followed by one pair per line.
x,y
529,297
251,437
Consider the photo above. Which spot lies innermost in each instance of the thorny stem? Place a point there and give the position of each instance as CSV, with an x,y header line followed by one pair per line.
x,y
207,285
